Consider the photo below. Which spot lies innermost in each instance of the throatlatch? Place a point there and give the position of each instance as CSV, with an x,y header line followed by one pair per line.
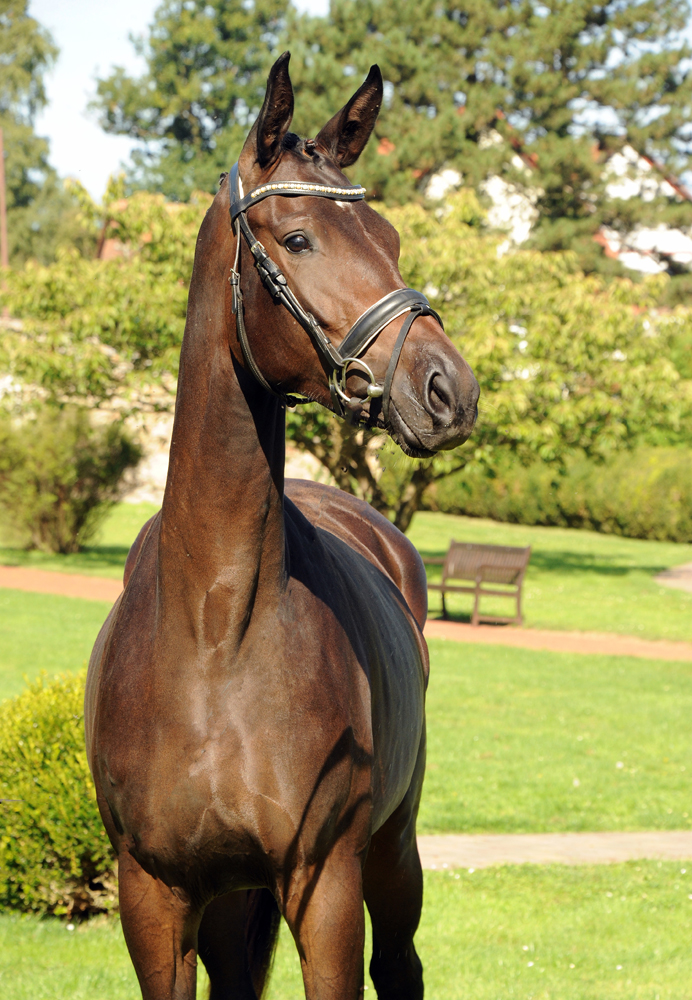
x,y
336,361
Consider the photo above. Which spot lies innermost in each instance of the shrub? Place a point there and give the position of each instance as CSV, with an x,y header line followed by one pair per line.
x,y
59,475
646,493
55,856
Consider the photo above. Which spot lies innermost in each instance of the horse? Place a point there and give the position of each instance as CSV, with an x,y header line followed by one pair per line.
x,y
254,706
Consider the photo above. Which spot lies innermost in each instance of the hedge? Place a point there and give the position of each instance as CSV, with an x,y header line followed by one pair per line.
x,y
646,493
55,857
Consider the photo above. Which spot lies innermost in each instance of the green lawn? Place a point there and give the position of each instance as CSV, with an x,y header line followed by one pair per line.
x,y
510,730
44,632
576,579
104,557
583,933
524,741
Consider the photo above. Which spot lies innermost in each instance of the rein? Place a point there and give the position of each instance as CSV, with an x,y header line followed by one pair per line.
x,y
336,361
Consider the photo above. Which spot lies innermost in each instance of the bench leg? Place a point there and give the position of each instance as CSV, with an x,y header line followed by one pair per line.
x,y
519,618
444,606
476,602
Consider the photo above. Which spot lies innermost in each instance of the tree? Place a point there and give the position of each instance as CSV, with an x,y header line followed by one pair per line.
x,y
105,332
59,476
41,212
539,92
207,69
567,363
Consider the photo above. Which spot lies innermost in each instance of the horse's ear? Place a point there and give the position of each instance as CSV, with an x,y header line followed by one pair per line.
x,y
264,140
346,135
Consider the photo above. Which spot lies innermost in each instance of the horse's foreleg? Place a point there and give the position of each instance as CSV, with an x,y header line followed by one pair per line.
x,y
161,934
324,909
236,942
393,889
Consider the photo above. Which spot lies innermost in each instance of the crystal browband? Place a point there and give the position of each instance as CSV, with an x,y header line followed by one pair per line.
x,y
296,188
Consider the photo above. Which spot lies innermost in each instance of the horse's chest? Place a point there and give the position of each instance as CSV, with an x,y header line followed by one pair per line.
x,y
242,772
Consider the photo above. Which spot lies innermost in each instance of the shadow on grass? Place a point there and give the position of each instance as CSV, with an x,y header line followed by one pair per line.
x,y
566,562
90,558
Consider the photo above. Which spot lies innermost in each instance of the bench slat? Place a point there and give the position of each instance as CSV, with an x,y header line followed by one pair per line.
x,y
499,564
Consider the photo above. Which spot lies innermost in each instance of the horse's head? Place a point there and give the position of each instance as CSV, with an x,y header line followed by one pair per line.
x,y
324,259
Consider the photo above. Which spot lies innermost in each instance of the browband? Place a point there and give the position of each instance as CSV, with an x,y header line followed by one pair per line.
x,y
295,188
363,332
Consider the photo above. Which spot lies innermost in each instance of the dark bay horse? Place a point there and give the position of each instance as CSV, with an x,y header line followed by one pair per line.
x,y
255,700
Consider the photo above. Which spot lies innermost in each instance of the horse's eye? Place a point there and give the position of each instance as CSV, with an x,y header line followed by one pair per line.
x,y
297,243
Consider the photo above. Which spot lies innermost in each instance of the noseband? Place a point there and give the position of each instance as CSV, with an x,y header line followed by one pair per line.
x,y
336,361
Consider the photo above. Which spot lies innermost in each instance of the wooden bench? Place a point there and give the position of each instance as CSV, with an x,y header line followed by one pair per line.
x,y
500,564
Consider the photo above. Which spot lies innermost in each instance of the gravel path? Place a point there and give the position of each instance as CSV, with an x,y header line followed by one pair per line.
x,y
606,643
90,588
484,850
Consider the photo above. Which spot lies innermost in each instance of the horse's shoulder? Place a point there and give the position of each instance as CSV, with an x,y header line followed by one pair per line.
x,y
136,547
361,527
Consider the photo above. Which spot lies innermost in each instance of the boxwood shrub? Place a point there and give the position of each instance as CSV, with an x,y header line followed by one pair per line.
x,y
54,854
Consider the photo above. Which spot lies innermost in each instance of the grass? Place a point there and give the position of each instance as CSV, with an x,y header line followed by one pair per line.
x,y
527,741
518,741
44,632
104,557
584,933
510,730
576,579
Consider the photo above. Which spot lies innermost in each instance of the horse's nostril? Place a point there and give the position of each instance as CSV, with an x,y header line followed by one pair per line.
x,y
439,398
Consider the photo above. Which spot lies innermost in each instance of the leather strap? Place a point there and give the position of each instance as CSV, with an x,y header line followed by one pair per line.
x,y
377,317
420,309
296,189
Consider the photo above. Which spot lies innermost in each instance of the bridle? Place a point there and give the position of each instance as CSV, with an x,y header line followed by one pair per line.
x,y
336,361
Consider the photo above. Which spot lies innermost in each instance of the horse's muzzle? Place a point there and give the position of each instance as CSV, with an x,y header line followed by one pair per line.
x,y
434,403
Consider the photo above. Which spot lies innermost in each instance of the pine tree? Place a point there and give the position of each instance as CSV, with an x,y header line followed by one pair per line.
x,y
563,84
207,70
540,93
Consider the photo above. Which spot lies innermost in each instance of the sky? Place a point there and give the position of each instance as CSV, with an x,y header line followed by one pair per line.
x,y
93,36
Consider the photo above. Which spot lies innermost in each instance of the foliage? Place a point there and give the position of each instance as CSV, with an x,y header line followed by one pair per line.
x,y
54,854
108,330
565,361
207,64
59,474
538,93
41,213
540,69
646,493
104,556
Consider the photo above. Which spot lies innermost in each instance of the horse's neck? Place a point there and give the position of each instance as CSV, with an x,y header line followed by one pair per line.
x,y
222,535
